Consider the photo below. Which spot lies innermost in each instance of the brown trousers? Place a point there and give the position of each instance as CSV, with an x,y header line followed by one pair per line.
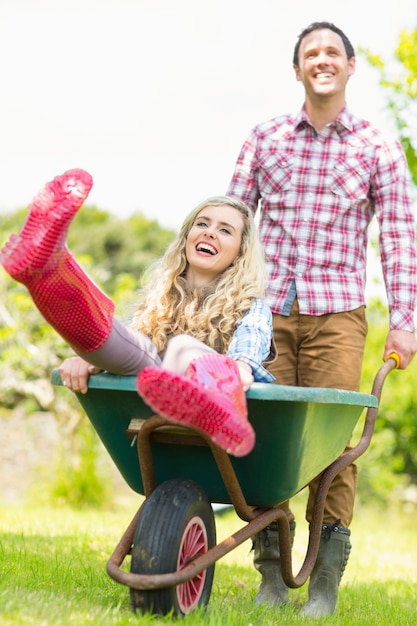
x,y
323,351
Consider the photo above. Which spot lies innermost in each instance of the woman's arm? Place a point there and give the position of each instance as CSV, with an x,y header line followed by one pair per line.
x,y
251,342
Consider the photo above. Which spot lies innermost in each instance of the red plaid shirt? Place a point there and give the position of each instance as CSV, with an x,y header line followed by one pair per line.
x,y
318,193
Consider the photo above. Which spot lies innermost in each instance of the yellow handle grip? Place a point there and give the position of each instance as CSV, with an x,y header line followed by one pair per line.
x,y
395,357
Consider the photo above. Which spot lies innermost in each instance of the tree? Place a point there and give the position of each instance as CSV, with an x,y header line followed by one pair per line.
x,y
115,253
398,79
391,462
389,466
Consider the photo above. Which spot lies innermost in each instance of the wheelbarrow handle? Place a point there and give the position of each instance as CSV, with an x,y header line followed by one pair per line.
x,y
395,357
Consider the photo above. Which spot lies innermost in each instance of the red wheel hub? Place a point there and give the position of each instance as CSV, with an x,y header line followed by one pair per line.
x,y
193,543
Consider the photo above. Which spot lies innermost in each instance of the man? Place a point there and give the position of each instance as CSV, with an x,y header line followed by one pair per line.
x,y
319,178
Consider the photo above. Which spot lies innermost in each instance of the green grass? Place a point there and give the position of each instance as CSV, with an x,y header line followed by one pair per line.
x,y
52,572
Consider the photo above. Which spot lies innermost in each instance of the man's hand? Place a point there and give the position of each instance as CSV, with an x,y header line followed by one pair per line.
x,y
404,343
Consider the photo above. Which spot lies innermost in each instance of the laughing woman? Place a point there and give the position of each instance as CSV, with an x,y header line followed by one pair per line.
x,y
200,332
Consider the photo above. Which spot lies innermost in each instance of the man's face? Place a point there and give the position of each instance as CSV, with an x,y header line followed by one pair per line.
x,y
324,68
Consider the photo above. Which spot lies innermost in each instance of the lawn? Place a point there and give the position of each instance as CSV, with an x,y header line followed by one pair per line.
x,y
52,571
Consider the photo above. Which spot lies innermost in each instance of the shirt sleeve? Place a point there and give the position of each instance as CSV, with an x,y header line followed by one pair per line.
x,y
397,234
244,183
251,341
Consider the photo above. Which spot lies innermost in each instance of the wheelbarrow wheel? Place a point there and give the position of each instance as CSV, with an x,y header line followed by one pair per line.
x,y
176,525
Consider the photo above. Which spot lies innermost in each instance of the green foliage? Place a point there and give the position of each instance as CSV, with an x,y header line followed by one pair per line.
x,y
389,466
79,477
391,461
106,246
115,253
399,82
116,247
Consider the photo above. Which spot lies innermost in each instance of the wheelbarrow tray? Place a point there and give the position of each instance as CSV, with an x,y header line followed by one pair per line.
x,y
299,432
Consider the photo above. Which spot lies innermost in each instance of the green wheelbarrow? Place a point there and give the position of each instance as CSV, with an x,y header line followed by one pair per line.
x,y
300,433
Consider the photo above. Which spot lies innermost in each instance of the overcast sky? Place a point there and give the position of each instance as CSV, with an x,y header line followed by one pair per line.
x,y
155,97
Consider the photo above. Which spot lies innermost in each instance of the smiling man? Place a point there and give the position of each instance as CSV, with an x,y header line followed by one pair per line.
x,y
319,177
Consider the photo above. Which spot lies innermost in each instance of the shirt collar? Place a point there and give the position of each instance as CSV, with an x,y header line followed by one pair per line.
x,y
343,121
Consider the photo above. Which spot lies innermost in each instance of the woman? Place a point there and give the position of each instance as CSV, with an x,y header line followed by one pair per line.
x,y
200,332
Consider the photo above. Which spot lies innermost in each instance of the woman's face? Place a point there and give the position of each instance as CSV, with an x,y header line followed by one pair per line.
x,y
213,243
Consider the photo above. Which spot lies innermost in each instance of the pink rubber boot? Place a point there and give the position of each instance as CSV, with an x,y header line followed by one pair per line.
x,y
67,298
209,398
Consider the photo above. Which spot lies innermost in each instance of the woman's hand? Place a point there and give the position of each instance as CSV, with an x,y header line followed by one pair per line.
x,y
75,372
246,375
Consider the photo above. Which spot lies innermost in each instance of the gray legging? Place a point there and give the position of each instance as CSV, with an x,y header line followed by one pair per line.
x,y
128,351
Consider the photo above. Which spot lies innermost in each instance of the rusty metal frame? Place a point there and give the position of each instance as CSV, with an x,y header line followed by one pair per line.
x,y
257,519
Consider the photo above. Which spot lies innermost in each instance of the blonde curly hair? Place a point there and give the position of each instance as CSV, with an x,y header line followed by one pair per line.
x,y
167,307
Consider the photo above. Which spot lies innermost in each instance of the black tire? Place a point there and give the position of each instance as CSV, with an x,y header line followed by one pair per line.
x,y
176,525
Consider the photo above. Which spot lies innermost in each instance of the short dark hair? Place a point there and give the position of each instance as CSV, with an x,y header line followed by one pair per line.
x,y
319,26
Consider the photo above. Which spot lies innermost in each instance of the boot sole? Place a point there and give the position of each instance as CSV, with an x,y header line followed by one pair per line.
x,y
184,402
57,202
